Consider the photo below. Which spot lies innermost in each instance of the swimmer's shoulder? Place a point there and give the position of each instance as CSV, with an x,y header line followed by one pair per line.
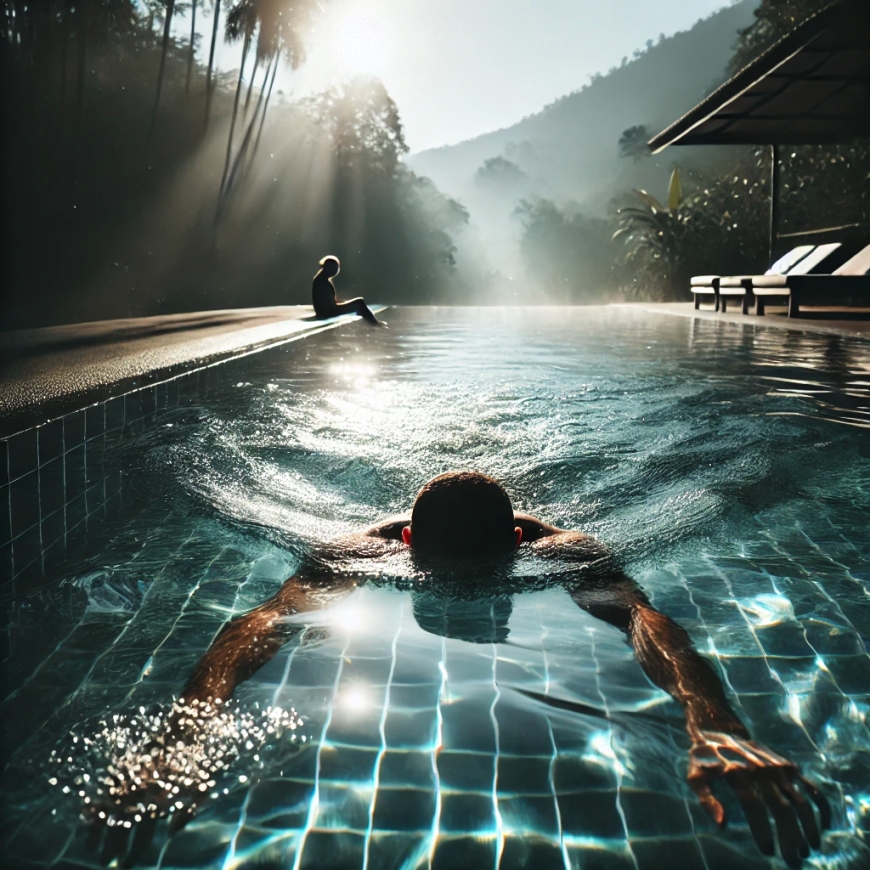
x,y
549,540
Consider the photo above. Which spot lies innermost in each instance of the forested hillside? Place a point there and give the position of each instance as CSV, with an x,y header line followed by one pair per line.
x,y
569,150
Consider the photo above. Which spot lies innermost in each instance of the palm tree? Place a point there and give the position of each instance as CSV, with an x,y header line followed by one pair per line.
x,y
279,24
241,23
167,24
192,48
208,77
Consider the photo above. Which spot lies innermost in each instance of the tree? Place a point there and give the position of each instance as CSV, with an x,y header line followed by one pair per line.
x,y
500,172
167,24
773,20
192,47
632,143
279,24
278,39
209,85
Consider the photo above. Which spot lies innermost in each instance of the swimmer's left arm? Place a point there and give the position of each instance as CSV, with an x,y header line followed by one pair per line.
x,y
721,745
246,643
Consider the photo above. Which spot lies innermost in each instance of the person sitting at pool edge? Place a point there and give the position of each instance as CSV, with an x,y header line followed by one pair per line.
x,y
466,517
325,300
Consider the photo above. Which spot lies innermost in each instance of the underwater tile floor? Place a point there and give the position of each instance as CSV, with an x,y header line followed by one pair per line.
x,y
422,748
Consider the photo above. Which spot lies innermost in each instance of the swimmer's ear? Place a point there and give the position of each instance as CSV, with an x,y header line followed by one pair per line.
x,y
406,536
519,533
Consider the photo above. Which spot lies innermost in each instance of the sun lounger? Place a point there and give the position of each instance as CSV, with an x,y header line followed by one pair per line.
x,y
740,286
847,285
709,285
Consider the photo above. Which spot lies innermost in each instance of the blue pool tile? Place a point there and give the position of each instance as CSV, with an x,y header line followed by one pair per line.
x,y
95,422
23,454
73,430
347,764
4,463
114,416
852,672
5,517
453,852
410,730
468,724
52,489
604,855
52,529
530,814
404,809
396,850
76,513
332,850
653,814
6,570
74,463
24,503
531,851
465,771
528,775
590,814
684,853
407,769
50,441
343,807
467,813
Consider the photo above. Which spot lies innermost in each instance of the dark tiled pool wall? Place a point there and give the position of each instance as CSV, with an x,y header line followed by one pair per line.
x,y
57,481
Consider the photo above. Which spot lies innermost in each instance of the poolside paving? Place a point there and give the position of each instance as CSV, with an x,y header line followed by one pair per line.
x,y
45,371
835,320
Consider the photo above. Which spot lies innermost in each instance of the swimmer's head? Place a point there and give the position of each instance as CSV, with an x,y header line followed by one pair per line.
x,y
462,513
330,266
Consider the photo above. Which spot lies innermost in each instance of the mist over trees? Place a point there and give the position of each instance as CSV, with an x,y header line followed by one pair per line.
x,y
588,177
139,179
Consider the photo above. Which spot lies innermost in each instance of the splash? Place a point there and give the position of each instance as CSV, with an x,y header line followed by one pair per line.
x,y
171,759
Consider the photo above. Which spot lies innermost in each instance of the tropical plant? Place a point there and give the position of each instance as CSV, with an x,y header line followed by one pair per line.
x,y
773,20
191,49
209,85
278,24
167,25
632,143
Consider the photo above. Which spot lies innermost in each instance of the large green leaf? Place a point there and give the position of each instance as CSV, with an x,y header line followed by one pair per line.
x,y
675,191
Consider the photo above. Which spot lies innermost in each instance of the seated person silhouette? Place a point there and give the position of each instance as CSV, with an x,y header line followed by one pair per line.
x,y
463,524
325,301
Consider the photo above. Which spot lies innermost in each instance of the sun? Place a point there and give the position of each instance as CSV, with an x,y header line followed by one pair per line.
x,y
360,44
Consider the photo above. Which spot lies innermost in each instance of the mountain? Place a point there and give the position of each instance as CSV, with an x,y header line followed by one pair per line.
x,y
569,152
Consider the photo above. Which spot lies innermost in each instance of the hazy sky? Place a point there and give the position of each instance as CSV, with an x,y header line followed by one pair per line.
x,y
459,68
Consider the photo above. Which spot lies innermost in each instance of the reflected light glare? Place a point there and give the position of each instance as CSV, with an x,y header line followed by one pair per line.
x,y
361,44
355,698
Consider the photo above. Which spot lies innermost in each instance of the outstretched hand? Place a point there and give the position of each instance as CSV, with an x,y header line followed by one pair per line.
x,y
766,784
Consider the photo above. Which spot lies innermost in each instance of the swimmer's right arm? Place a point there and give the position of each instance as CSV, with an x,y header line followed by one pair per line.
x,y
246,643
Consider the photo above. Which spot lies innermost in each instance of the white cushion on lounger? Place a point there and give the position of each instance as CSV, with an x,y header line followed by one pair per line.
x,y
787,262
704,280
815,260
770,281
858,265
734,281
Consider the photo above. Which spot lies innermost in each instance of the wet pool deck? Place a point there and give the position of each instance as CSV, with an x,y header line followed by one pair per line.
x,y
45,372
836,321
53,368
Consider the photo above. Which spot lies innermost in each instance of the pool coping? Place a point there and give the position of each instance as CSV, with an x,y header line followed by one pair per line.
x,y
855,329
30,401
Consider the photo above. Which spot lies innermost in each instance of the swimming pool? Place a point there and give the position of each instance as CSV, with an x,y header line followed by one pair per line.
x,y
728,466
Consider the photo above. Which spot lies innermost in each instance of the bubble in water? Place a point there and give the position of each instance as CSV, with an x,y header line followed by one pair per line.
x,y
153,764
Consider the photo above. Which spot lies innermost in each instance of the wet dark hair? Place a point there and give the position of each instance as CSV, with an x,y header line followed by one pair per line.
x,y
462,513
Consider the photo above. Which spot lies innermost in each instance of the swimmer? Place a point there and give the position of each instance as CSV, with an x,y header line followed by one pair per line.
x,y
325,300
467,517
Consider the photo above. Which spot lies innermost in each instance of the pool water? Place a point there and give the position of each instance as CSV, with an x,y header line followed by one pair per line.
x,y
727,466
